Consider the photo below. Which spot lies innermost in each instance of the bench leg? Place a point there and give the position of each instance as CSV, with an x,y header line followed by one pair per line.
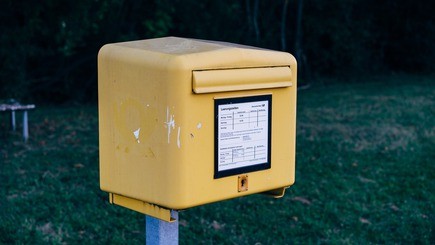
x,y
25,126
13,124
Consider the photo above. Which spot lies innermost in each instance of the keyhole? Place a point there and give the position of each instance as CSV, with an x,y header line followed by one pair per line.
x,y
243,183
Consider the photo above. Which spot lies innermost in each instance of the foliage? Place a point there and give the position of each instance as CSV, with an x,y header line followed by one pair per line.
x,y
364,174
48,53
48,48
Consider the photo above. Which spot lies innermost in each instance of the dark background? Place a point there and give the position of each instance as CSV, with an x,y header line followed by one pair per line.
x,y
48,48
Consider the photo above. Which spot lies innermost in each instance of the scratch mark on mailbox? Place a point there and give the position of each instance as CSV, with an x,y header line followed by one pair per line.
x,y
136,135
170,123
178,138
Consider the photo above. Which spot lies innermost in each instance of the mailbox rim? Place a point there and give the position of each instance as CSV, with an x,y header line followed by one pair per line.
x,y
252,168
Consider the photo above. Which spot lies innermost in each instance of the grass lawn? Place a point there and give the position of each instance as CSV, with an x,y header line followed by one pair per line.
x,y
365,174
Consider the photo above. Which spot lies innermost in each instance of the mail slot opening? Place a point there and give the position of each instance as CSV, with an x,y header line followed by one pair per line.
x,y
222,80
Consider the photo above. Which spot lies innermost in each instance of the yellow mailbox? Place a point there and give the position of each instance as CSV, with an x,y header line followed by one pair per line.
x,y
186,122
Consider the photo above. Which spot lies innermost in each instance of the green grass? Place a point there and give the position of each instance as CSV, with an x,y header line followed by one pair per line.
x,y
365,174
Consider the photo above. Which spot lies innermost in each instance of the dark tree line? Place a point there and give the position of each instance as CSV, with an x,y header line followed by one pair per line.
x,y
48,48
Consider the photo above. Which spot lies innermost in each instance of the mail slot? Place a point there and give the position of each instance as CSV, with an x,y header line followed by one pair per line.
x,y
185,122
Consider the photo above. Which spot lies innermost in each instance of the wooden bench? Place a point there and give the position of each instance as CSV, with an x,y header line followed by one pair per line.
x,y
13,107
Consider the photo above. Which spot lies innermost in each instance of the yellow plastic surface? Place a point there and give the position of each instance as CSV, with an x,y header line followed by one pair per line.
x,y
211,81
142,207
156,119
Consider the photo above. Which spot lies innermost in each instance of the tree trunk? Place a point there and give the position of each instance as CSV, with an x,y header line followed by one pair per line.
x,y
298,36
255,21
283,26
252,14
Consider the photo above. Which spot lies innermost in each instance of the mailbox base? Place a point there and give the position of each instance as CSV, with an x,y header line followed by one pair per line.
x,y
276,193
142,207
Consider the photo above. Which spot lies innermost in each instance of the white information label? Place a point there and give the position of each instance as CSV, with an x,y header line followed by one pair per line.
x,y
243,133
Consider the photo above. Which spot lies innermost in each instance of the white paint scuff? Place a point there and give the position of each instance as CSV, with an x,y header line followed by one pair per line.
x,y
199,125
170,123
136,134
178,138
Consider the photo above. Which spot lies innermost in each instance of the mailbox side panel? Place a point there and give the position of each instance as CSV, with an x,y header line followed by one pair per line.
x,y
138,125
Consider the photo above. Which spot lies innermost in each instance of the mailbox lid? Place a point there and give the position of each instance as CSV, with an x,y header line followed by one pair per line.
x,y
174,53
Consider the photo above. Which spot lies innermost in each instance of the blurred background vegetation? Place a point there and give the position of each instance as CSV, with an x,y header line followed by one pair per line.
x,y
365,128
48,48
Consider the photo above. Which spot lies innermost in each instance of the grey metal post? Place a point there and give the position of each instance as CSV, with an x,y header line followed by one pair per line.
x,y
25,126
13,124
161,232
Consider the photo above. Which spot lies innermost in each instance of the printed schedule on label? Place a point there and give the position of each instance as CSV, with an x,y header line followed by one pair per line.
x,y
242,134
